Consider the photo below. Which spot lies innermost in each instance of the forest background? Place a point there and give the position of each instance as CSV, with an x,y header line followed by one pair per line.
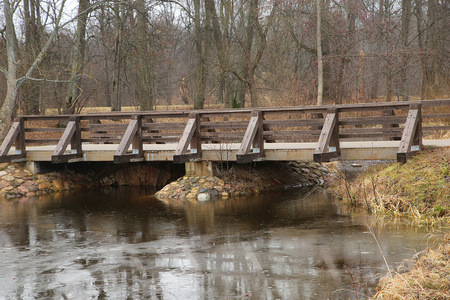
x,y
64,55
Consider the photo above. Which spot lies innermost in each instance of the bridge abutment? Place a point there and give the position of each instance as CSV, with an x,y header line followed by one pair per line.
x,y
199,168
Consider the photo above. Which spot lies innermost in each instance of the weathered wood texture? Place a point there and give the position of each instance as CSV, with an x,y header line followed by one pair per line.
x,y
412,134
328,144
72,135
191,137
249,127
253,140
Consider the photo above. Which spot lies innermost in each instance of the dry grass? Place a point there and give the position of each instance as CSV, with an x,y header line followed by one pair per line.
x,y
419,189
428,279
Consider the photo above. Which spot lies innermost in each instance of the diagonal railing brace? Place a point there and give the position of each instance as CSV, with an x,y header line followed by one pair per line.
x,y
16,136
328,145
191,136
411,141
72,135
253,140
133,137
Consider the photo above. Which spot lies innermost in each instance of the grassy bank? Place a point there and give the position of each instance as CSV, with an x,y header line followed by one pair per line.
x,y
429,278
420,192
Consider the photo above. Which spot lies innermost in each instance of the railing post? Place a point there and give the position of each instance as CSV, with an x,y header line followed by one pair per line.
x,y
328,145
75,142
411,141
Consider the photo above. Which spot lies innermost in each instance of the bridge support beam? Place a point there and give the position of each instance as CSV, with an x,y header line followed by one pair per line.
x,y
411,141
199,168
328,146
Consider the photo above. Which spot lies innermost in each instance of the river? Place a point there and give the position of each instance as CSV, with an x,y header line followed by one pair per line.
x,y
125,244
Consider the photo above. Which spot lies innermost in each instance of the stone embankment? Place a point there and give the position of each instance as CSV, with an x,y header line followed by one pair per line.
x,y
240,180
16,181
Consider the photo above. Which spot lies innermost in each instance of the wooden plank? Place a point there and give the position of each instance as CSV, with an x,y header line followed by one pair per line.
x,y
223,139
100,136
435,116
412,134
161,126
283,133
190,136
106,127
369,136
43,129
329,137
253,137
12,158
225,125
164,140
371,130
41,141
271,124
435,128
238,134
66,158
102,140
372,120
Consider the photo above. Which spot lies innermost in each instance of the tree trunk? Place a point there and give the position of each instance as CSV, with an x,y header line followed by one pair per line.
x,y
319,56
377,66
406,18
118,57
200,58
106,57
145,92
77,58
31,89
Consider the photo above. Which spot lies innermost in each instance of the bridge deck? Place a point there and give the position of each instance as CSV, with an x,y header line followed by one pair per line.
x,y
367,150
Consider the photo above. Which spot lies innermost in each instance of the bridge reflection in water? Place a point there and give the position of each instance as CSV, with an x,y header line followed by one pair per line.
x,y
119,244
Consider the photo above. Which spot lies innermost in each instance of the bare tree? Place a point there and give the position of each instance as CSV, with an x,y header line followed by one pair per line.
x,y
13,82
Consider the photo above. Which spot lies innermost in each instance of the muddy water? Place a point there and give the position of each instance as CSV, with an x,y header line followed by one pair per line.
x,y
124,244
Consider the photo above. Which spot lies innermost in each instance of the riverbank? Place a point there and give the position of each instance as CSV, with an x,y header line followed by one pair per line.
x,y
428,278
419,191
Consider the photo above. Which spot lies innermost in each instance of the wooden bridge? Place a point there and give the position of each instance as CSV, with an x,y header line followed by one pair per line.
x,y
391,130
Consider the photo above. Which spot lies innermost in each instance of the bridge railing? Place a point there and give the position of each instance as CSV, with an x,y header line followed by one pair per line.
x,y
250,129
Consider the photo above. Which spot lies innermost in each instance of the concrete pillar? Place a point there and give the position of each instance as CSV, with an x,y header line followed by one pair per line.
x,y
34,167
199,168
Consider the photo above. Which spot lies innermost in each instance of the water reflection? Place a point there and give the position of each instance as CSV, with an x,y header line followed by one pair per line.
x,y
124,244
